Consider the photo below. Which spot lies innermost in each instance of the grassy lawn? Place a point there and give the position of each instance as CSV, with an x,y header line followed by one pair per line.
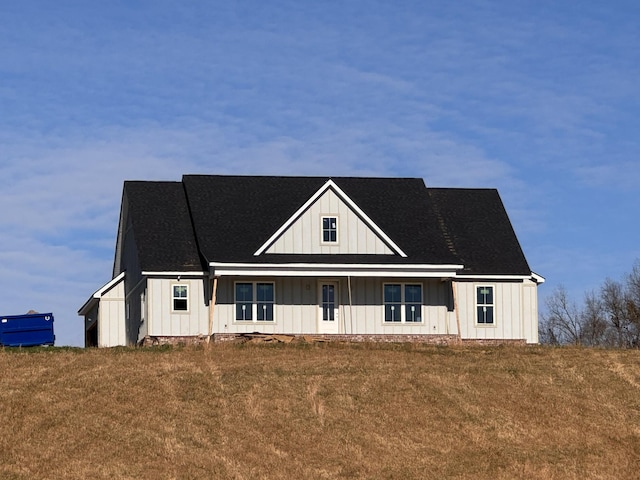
x,y
320,411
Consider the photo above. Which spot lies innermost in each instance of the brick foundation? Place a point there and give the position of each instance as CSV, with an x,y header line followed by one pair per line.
x,y
429,339
493,343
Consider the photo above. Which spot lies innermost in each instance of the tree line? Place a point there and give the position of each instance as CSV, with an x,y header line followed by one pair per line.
x,y
608,317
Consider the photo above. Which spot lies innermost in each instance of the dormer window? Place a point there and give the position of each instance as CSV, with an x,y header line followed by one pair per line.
x,y
329,229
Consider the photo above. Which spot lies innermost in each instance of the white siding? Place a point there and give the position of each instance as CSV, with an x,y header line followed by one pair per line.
x,y
297,308
111,318
162,321
515,311
305,234
530,311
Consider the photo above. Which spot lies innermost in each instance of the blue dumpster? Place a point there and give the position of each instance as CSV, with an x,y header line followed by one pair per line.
x,y
27,330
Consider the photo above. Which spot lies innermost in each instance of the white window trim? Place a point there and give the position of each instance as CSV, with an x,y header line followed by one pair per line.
x,y
475,310
403,303
254,302
173,298
329,243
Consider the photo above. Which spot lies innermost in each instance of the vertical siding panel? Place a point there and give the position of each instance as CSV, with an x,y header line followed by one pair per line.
x,y
304,235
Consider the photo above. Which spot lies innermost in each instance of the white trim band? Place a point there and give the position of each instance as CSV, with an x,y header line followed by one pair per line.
x,y
338,270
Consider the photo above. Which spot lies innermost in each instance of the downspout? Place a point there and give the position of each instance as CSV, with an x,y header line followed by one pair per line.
x,y
455,307
350,305
212,306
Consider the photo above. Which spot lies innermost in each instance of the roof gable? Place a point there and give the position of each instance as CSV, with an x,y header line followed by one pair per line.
x,y
234,216
186,226
356,232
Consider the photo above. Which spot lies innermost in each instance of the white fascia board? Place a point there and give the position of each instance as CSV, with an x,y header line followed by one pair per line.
x,y
330,184
175,274
338,270
107,286
537,278
100,292
493,277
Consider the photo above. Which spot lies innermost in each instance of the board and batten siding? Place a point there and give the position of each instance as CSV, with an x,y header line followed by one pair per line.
x,y
515,311
162,321
305,234
111,318
530,310
297,310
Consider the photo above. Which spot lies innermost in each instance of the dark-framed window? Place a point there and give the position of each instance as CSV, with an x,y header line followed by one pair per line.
x,y
180,298
330,229
254,301
244,302
485,304
402,302
266,299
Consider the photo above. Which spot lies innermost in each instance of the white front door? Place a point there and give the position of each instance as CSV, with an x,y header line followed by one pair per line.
x,y
328,302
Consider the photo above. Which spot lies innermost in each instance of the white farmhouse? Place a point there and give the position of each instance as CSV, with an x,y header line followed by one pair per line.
x,y
215,256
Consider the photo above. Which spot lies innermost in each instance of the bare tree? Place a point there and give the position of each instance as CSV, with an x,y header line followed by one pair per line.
x,y
633,302
614,306
594,326
608,318
562,323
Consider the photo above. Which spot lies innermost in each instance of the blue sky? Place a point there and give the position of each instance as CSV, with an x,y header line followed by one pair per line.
x,y
538,99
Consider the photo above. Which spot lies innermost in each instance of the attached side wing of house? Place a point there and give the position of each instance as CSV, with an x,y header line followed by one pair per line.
x,y
376,258
104,315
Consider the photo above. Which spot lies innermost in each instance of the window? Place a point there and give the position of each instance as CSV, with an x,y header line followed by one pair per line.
x,y
484,303
244,301
330,229
264,294
254,302
402,302
180,298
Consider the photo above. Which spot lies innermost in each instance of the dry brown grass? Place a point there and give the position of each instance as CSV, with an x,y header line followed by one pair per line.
x,y
320,411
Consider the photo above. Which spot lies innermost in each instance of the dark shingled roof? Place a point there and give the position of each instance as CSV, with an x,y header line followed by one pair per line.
x,y
234,216
218,218
162,227
479,230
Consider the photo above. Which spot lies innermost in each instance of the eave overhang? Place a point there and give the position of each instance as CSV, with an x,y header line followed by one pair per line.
x,y
332,270
95,298
484,277
174,274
